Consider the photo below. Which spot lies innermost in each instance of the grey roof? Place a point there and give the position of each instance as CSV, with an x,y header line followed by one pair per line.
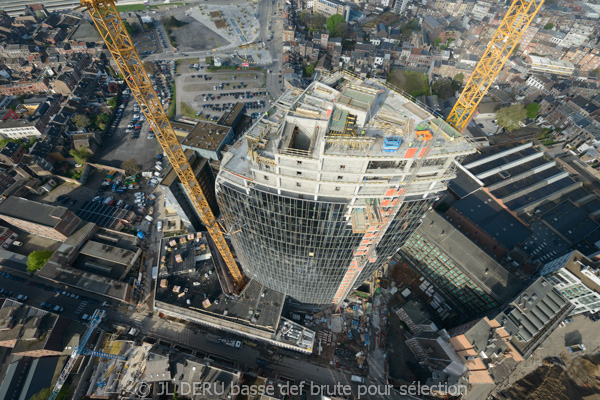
x,y
472,260
27,210
490,216
533,311
39,377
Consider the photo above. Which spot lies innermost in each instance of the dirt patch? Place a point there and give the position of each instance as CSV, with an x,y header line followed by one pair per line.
x,y
557,380
215,14
220,23
196,36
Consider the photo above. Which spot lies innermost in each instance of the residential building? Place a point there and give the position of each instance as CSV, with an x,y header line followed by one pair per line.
x,y
485,348
12,153
400,6
40,219
318,186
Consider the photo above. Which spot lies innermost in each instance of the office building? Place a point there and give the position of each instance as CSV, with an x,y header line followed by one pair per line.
x,y
326,187
533,315
577,278
177,198
546,65
332,7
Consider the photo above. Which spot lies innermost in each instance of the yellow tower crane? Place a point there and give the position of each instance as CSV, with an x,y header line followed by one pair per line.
x,y
509,33
110,26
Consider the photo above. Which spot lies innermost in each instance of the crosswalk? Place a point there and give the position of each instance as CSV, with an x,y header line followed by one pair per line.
x,y
80,307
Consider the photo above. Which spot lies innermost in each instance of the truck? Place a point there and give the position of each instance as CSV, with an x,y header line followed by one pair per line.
x,y
576,347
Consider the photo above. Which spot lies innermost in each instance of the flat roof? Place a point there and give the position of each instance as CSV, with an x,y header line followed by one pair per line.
x,y
206,136
490,216
108,253
32,211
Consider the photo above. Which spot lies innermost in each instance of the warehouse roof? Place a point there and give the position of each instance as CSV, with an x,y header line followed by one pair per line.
x,y
473,261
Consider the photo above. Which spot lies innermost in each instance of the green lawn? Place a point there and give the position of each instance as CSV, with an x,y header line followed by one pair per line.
x,y
412,82
187,110
132,7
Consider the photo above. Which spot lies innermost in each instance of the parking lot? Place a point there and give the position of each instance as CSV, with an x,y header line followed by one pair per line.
x,y
147,43
124,143
208,95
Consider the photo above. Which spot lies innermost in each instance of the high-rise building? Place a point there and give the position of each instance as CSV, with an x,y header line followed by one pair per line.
x,y
328,185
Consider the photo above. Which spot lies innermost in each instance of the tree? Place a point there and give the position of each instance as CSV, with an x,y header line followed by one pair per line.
x,y
510,117
317,22
131,29
131,166
532,110
37,259
549,26
102,120
81,155
336,25
64,394
150,67
460,77
112,102
81,121
173,22
443,88
437,42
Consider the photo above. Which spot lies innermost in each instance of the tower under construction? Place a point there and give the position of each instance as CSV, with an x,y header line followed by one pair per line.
x,y
330,182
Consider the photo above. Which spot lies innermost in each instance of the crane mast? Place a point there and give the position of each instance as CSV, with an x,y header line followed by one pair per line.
x,y
110,26
507,36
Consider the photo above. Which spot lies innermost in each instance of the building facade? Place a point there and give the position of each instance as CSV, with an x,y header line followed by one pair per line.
x,y
316,193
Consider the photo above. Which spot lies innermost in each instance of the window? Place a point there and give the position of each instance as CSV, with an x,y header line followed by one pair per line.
x,y
340,177
266,178
298,184
298,173
342,167
299,162
337,188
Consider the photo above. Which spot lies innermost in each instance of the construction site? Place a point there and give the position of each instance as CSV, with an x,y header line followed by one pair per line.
x,y
315,199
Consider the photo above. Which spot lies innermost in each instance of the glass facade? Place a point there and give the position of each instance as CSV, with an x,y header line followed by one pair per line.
x,y
300,247
446,275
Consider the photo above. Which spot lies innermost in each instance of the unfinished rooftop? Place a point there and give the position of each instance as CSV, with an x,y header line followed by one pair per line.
x,y
361,119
